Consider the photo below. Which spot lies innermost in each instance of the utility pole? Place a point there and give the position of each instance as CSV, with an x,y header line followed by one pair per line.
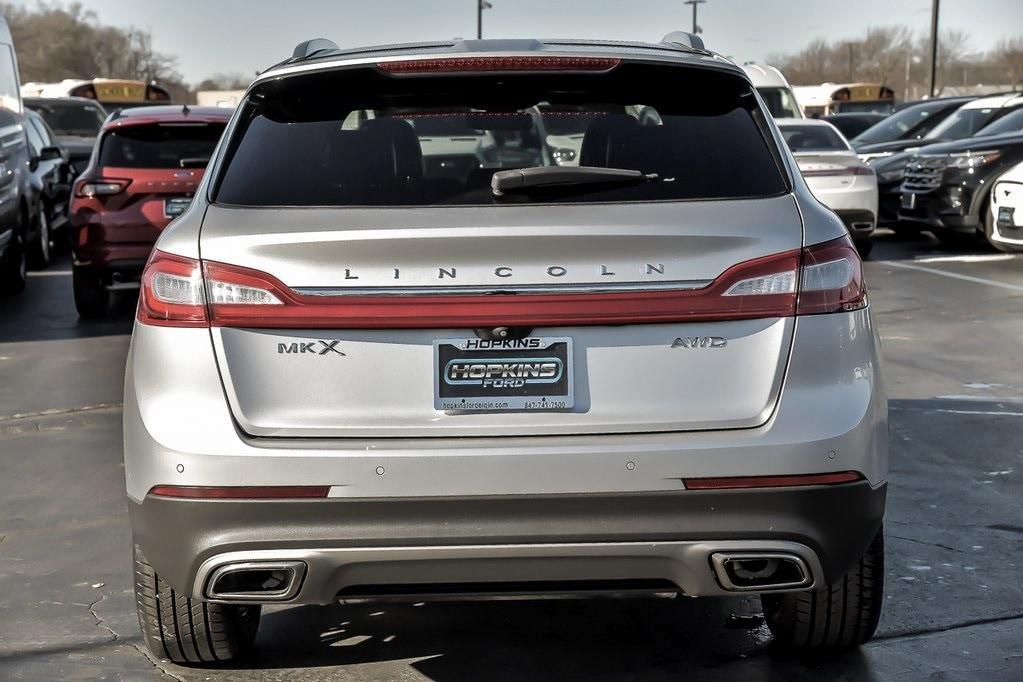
x,y
695,4
934,47
480,6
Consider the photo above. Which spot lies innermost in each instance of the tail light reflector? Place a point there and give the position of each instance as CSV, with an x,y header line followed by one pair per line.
x,y
485,64
733,482
240,492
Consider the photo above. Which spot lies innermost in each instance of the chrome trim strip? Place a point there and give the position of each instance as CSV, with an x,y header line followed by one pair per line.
x,y
678,285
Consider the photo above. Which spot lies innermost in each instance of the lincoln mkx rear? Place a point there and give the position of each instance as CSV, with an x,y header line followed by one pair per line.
x,y
499,317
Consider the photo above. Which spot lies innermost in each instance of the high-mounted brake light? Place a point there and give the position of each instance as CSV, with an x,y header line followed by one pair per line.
x,y
485,64
101,187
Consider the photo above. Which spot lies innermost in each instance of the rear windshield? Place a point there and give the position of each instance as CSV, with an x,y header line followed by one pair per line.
x,y
811,138
164,145
898,124
364,138
72,118
1009,123
963,123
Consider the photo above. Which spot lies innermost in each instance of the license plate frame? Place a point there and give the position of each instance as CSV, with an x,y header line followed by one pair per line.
x,y
543,364
1006,216
175,206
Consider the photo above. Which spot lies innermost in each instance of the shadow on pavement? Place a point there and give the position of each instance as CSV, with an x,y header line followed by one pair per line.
x,y
544,640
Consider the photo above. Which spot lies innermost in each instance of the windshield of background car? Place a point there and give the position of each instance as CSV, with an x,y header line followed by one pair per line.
x,y
780,102
161,145
363,137
963,123
1009,123
83,120
898,124
811,138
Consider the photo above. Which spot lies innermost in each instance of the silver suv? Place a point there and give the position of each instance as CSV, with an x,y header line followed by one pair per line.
x,y
403,344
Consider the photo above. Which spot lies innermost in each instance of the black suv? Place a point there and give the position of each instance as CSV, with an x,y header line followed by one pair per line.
x,y
946,187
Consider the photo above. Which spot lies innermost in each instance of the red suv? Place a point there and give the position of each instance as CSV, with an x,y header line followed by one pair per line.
x,y
144,169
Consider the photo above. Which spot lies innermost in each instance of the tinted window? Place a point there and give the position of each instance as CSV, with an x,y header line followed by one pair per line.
x,y
72,118
811,138
1009,123
900,123
158,145
10,97
780,102
291,147
962,123
43,130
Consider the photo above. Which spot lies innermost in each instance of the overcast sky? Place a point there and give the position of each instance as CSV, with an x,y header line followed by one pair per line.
x,y
210,36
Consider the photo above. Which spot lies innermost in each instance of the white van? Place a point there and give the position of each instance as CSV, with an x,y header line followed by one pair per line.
x,y
774,89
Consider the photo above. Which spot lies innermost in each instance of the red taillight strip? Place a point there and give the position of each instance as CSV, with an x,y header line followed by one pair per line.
x,y
274,492
732,482
514,310
486,64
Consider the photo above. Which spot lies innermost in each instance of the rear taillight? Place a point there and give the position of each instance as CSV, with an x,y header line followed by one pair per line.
x,y
174,293
181,292
489,64
100,187
831,279
838,172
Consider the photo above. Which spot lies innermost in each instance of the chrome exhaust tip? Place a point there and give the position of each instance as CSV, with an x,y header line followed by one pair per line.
x,y
760,571
256,581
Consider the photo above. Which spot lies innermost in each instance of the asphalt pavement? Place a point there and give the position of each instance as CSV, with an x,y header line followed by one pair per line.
x,y
951,325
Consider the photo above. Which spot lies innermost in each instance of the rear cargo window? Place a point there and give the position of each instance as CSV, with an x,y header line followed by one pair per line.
x,y
162,145
361,137
813,138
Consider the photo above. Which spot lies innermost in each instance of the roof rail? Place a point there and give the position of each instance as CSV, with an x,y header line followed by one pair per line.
x,y
690,40
308,48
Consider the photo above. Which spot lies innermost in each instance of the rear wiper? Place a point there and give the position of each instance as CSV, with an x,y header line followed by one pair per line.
x,y
521,179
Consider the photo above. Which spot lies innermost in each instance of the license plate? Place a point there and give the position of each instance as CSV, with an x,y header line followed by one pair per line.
x,y
176,206
1005,216
909,201
480,375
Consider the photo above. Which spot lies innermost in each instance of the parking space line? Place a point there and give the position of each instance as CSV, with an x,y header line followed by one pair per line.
x,y
954,275
989,413
967,258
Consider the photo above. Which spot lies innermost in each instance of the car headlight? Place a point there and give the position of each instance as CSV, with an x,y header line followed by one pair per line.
x,y
972,159
892,175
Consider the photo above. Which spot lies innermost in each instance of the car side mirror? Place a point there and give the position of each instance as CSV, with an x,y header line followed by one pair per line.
x,y
51,153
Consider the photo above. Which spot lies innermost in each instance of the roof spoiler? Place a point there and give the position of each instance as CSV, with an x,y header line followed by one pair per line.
x,y
690,40
308,48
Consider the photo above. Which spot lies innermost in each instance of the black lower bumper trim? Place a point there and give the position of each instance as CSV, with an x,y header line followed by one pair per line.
x,y
836,521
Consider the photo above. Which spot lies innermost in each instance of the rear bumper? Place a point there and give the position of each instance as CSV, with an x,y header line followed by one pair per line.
x,y
359,546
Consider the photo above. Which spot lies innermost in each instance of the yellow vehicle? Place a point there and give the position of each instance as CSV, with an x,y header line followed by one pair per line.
x,y
112,93
845,98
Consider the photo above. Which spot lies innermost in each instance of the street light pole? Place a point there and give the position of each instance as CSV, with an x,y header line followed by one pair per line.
x,y
480,6
695,4
934,46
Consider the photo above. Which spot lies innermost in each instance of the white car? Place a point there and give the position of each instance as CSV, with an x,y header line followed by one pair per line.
x,y
1004,222
836,175
774,89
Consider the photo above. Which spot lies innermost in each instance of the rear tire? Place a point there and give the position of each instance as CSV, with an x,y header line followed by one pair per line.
x,y
39,255
13,268
842,614
92,300
187,631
